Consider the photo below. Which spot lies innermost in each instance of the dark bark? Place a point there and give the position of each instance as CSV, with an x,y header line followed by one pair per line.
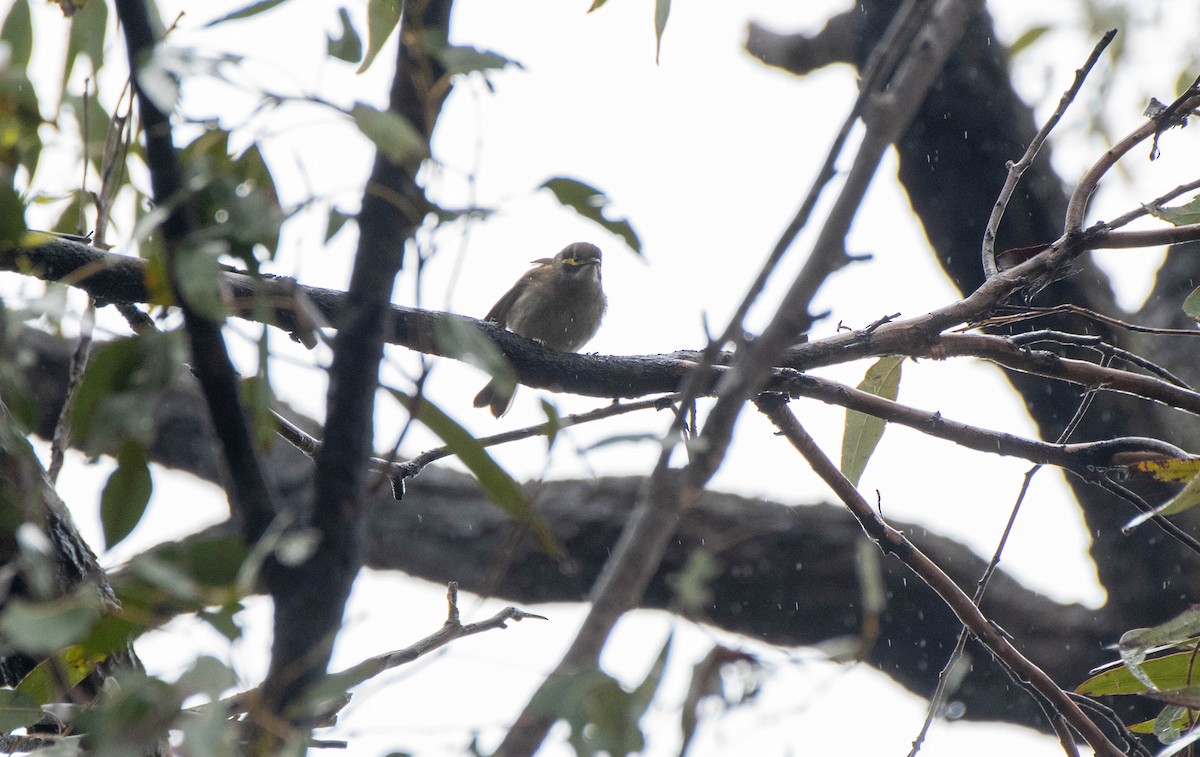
x,y
787,576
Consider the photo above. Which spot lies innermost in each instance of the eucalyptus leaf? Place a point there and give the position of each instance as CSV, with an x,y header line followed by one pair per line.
x,y
347,46
126,494
394,136
862,432
382,18
591,203
496,483
17,710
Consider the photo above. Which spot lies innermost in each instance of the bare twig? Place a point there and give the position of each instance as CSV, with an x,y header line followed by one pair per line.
x,y
1077,206
1155,204
79,358
452,629
1016,170
893,542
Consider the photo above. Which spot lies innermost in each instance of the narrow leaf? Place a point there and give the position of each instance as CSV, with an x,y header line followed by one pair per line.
x,y
493,479
662,10
1186,499
125,496
382,17
1026,40
591,203
253,9
42,684
1173,671
863,432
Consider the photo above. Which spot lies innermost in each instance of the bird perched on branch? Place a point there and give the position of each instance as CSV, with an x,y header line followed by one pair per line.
x,y
559,303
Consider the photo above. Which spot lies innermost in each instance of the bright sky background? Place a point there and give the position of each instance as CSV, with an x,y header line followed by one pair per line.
x,y
708,154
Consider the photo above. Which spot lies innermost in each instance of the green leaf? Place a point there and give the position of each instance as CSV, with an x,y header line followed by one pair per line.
x,y
1026,40
348,46
1168,673
863,432
43,628
591,203
237,199
382,17
1191,306
17,31
88,28
464,59
494,480
42,684
596,4
1180,215
17,710
253,9
601,714
12,209
662,10
120,389
394,136
125,495
258,398
198,273
1187,498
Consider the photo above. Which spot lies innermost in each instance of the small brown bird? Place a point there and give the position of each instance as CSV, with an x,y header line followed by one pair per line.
x,y
559,303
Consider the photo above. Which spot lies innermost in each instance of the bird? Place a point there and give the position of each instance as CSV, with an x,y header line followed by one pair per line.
x,y
559,302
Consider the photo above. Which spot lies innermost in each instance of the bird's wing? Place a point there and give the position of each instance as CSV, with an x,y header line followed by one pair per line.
x,y
499,312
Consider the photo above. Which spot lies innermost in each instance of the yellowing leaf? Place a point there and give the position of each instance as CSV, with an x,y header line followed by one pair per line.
x,y
1177,469
863,432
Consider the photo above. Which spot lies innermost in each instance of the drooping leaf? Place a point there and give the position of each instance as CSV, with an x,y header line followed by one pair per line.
x,y
499,487
863,432
394,136
382,18
43,684
253,9
662,11
126,494
1186,499
1135,644
591,203
348,46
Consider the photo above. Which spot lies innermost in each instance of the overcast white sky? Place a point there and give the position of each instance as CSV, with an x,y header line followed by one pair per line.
x,y
708,154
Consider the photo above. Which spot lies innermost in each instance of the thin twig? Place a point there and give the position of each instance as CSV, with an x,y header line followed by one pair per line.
x,y
1017,170
939,692
1078,204
1098,344
1154,204
1027,313
79,359
892,541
